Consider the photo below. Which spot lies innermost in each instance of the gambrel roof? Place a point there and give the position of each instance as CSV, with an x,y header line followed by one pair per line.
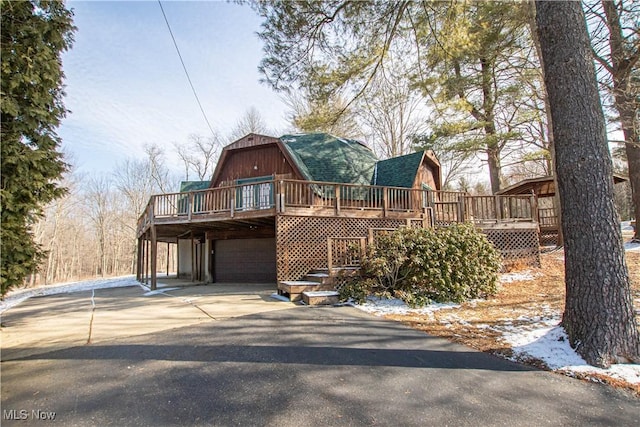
x,y
326,158
323,157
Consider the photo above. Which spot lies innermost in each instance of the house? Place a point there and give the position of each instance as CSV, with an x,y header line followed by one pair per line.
x,y
278,208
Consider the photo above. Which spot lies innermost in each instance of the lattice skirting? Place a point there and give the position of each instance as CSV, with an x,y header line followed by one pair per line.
x,y
301,241
517,246
549,238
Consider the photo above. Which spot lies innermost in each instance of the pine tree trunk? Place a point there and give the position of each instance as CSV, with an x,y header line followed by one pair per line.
x,y
493,159
551,161
598,315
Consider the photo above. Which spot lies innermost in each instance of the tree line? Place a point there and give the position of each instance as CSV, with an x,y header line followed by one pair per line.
x,y
91,231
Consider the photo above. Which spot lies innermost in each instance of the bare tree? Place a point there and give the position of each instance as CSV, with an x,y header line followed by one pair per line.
x,y
390,114
99,208
132,178
250,122
199,155
157,167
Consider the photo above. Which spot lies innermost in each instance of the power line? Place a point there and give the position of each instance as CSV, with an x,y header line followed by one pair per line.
x,y
184,67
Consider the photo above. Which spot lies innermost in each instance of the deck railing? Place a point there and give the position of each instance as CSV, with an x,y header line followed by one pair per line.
x,y
548,217
344,252
278,196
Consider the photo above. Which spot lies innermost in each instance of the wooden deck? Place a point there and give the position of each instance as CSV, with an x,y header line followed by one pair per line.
x,y
258,203
315,224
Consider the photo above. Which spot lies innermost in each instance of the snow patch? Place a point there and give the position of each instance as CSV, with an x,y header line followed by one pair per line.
x,y
279,297
551,345
16,297
626,226
519,276
383,306
632,246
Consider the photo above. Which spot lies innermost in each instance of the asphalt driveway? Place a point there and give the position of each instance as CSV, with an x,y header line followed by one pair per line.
x,y
282,366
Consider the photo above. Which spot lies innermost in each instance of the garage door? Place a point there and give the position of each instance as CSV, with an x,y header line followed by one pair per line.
x,y
245,260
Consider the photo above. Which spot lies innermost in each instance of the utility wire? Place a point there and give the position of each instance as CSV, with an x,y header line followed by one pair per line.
x,y
184,67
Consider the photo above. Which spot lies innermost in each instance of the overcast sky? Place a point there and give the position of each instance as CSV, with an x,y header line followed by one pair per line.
x,y
126,86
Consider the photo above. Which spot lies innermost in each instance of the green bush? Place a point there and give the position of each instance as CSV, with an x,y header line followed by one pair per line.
x,y
449,264
356,289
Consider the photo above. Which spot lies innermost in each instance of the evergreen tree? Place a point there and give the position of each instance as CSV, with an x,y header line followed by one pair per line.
x,y
470,61
34,34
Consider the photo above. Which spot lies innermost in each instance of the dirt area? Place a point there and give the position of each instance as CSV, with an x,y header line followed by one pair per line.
x,y
517,303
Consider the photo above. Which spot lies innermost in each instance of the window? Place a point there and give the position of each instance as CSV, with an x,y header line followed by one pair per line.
x,y
254,193
427,195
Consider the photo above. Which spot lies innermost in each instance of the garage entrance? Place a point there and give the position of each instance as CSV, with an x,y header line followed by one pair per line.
x,y
245,260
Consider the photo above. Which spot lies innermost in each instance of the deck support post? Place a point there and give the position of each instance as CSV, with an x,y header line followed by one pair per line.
x,y
498,203
146,259
177,261
385,201
168,258
461,209
193,259
534,209
336,191
138,254
154,258
329,256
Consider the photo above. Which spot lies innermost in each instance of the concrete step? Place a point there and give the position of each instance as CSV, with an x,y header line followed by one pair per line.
x,y
320,297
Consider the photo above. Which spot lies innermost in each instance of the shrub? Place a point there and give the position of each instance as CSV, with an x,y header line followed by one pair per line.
x,y
449,264
356,289
459,264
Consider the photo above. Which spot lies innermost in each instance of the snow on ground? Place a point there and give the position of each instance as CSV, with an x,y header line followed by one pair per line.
x,y
16,297
632,247
551,345
382,307
626,226
519,276
536,337
279,297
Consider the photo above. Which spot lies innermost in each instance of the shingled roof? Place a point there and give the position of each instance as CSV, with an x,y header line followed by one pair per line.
x,y
186,186
398,171
327,158
323,157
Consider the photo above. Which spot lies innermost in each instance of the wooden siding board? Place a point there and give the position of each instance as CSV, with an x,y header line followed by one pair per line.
x,y
251,140
256,162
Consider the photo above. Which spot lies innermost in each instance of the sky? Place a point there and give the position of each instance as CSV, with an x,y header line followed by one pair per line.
x,y
126,87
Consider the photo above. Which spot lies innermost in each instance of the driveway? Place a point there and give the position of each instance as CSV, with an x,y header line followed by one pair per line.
x,y
281,365
91,317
